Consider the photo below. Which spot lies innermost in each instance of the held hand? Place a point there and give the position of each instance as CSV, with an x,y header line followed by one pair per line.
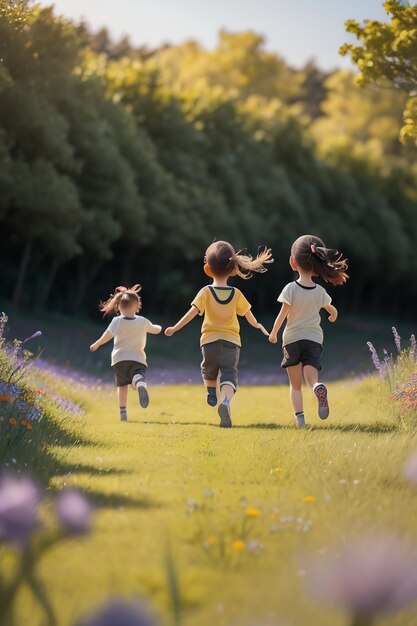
x,y
169,331
94,347
332,317
273,338
263,329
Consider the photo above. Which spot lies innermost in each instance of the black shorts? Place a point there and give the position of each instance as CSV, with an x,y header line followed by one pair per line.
x,y
303,351
124,371
220,356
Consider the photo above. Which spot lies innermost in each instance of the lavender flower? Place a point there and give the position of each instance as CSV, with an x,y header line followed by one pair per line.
x,y
37,334
120,613
410,469
397,339
369,577
19,500
73,511
413,347
375,359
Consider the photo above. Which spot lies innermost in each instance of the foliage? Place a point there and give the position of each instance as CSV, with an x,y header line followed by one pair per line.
x,y
387,51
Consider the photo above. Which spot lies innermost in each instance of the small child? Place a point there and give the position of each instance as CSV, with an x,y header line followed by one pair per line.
x,y
129,330
301,303
221,304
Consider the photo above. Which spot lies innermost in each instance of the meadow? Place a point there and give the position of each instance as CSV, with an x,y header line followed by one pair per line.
x,y
208,524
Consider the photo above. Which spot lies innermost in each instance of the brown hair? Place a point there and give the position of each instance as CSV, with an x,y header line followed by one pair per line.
x,y
221,260
121,299
311,255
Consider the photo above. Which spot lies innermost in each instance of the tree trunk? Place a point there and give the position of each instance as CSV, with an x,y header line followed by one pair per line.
x,y
24,263
43,298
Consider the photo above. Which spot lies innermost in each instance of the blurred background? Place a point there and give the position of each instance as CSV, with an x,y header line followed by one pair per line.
x,y
131,139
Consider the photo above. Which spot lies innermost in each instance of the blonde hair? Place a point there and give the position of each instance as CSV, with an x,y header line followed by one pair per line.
x,y
121,299
222,260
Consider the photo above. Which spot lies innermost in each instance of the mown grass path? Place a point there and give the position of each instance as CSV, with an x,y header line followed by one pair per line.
x,y
235,510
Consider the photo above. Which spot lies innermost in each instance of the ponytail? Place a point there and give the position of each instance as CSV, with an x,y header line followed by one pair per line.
x,y
122,297
245,265
311,255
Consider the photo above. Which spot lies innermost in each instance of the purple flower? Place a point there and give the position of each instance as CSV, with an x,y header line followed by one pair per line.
x,y
73,511
397,339
375,359
413,347
369,576
120,613
410,469
37,334
19,500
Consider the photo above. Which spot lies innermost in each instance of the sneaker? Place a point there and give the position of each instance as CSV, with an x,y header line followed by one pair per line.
x,y
211,399
224,414
300,420
143,395
320,392
123,418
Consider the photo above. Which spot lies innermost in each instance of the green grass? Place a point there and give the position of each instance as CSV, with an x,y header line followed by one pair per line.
x,y
170,486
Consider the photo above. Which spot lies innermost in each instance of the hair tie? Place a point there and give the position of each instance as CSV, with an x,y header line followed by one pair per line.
x,y
313,248
121,289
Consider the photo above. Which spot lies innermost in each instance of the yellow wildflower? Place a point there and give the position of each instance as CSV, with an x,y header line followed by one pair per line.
x,y
309,498
238,544
278,469
252,512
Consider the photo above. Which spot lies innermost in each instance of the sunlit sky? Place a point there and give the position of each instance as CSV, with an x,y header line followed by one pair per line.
x,y
297,29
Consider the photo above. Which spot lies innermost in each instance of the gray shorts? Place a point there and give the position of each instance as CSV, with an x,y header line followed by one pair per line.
x,y
220,356
124,371
302,351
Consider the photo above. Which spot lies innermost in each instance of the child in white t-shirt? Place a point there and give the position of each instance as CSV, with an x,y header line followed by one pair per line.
x,y
129,330
302,301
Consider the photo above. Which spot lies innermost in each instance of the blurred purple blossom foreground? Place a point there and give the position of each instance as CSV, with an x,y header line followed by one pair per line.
x,y
120,613
369,577
19,500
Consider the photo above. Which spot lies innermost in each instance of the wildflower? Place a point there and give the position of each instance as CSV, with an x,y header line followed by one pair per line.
x,y
397,339
37,334
251,512
121,613
309,498
42,392
12,421
277,469
23,422
5,398
73,511
29,426
19,500
239,545
413,347
410,469
370,577
375,359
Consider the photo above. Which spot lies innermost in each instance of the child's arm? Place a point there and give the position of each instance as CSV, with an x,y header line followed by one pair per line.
x,y
105,337
251,319
190,315
285,309
333,312
154,329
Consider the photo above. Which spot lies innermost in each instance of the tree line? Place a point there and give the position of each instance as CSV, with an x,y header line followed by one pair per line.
x,y
121,164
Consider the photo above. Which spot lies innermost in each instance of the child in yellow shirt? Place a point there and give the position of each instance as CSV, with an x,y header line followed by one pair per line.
x,y
221,305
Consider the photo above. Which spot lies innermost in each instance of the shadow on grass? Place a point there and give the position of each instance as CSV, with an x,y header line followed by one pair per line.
x,y
111,500
373,429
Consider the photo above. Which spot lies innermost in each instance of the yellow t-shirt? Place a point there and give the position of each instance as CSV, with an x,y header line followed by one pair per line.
x,y
220,307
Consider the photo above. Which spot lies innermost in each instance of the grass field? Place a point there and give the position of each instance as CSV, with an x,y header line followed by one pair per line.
x,y
230,512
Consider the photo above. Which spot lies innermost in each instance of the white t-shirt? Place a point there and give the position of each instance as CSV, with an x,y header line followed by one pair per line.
x,y
129,338
303,321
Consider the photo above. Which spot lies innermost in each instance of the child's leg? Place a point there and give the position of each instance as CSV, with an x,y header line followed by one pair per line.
x,y
139,383
210,370
122,396
295,376
229,360
311,377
